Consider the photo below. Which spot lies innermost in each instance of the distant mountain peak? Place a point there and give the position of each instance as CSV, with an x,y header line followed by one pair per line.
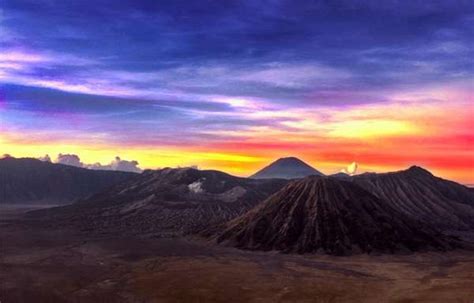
x,y
418,169
288,159
286,168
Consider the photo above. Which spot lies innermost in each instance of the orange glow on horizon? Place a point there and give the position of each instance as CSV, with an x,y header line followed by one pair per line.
x,y
379,137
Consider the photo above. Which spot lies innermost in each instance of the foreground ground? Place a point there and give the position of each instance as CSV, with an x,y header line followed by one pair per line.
x,y
39,265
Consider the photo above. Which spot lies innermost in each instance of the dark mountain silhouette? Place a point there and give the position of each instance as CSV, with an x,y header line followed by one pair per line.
x,y
393,212
27,180
321,214
423,197
286,168
340,175
167,201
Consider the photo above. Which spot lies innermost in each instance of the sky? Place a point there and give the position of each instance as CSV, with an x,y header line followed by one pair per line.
x,y
233,85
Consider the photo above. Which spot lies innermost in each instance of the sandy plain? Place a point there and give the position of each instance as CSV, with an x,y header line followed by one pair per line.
x,y
51,265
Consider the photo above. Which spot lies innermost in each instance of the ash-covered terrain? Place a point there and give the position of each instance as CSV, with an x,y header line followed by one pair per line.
x,y
164,202
409,210
424,197
319,214
61,265
188,235
399,212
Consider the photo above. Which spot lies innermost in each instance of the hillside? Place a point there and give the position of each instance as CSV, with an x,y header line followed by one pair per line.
x,y
31,181
319,214
166,201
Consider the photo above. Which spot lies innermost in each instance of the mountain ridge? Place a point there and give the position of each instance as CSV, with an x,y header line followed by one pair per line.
x,y
421,195
29,180
323,214
166,201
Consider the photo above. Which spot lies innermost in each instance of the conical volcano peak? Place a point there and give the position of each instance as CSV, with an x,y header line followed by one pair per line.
x,y
289,159
323,214
286,168
418,170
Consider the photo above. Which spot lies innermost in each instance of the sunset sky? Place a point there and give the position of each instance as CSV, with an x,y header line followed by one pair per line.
x,y
233,85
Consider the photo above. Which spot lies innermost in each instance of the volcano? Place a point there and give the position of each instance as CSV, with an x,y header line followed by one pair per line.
x,y
286,168
332,216
167,201
444,204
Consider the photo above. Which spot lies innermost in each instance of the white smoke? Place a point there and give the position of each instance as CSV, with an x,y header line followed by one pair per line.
x,y
196,187
351,169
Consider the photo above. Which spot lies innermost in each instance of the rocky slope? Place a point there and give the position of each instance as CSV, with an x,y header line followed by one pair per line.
x,y
423,197
28,181
163,202
286,168
327,215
